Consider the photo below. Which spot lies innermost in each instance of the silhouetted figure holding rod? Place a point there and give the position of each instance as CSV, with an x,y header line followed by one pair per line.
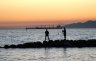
x,y
46,34
64,33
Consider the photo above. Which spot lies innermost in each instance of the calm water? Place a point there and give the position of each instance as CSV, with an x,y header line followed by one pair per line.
x,y
16,36
48,54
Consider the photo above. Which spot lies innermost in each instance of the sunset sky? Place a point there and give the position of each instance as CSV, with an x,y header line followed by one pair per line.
x,y
24,13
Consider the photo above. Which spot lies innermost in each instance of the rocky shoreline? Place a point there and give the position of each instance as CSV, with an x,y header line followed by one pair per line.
x,y
55,43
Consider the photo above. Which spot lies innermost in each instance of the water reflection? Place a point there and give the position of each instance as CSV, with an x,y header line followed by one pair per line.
x,y
55,55
48,54
65,54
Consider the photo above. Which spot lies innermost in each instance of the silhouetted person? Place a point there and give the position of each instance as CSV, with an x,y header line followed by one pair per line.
x,y
46,34
64,33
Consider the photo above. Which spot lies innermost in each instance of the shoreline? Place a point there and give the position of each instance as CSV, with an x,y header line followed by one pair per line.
x,y
55,44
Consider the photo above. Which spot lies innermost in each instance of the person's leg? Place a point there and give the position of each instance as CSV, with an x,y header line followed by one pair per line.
x,y
48,38
64,37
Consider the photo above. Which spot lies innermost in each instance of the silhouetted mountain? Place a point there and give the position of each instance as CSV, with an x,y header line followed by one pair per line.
x,y
88,24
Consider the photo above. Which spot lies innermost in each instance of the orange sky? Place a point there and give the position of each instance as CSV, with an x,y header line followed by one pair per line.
x,y
40,12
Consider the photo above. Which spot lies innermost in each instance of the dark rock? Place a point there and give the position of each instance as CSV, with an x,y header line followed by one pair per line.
x,y
56,43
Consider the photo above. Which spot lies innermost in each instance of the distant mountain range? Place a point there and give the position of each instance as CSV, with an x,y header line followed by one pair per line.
x,y
87,24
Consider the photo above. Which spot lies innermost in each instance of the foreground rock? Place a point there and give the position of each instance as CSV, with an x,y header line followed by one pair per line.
x,y
56,43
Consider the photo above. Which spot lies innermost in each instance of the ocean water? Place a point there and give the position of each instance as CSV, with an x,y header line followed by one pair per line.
x,y
17,36
48,54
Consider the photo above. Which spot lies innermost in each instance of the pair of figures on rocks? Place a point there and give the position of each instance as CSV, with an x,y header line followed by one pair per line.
x,y
47,34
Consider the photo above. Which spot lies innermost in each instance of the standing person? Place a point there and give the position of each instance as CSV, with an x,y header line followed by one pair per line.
x,y
46,34
64,33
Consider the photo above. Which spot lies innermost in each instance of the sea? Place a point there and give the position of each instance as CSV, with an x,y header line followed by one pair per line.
x,y
20,36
